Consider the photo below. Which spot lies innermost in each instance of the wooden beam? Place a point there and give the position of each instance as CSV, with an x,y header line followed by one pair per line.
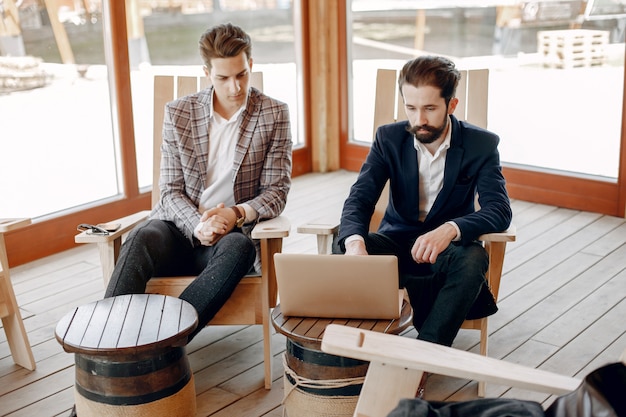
x,y
10,21
324,100
420,29
120,86
60,35
621,176
562,190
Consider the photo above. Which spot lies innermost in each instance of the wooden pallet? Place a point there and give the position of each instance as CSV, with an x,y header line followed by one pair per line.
x,y
21,73
572,48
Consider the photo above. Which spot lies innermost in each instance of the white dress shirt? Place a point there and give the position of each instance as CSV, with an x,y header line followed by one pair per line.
x,y
219,176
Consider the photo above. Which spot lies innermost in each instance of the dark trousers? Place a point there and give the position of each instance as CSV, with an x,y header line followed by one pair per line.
x,y
600,394
482,407
441,294
157,248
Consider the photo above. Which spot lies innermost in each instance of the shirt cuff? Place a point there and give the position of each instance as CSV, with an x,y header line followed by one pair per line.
x,y
197,229
458,231
251,213
353,238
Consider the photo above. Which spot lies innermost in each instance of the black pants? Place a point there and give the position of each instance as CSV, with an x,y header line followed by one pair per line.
x,y
484,407
158,248
442,294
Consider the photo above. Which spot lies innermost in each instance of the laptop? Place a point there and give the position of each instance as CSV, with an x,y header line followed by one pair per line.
x,y
338,286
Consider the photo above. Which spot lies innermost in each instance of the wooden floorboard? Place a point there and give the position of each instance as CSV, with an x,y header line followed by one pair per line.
x,y
562,308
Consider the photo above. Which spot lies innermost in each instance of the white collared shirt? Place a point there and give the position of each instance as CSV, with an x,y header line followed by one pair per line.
x,y
224,135
431,172
219,178
431,169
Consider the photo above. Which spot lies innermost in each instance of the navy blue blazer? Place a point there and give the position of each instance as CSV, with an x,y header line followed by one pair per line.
x,y
472,166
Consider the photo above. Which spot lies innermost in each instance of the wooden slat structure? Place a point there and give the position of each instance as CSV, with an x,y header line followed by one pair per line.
x,y
14,330
472,92
562,305
397,365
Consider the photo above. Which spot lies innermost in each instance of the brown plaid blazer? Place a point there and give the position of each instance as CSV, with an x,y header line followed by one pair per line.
x,y
261,169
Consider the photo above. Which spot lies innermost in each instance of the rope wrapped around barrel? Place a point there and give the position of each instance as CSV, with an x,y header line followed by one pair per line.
x,y
317,383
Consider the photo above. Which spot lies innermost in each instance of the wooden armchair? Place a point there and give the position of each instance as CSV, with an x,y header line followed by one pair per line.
x,y
9,310
255,295
472,95
397,363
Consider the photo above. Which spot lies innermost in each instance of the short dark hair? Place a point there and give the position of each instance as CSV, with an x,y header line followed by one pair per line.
x,y
224,41
434,71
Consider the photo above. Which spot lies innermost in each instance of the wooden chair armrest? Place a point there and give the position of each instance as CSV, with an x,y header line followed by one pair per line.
x,y
6,225
319,228
278,227
325,230
397,363
109,245
506,236
127,223
416,354
331,228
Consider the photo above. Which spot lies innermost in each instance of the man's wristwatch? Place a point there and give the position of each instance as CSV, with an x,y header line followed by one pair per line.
x,y
241,217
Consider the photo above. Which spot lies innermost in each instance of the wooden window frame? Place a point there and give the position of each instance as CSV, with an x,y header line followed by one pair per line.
x,y
327,146
525,183
51,235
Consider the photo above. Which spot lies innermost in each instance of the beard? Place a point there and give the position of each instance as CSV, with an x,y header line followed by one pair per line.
x,y
428,134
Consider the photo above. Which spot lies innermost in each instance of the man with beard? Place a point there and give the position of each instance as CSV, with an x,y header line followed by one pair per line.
x,y
435,165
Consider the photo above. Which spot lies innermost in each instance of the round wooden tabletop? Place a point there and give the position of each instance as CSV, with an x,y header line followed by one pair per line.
x,y
309,331
127,324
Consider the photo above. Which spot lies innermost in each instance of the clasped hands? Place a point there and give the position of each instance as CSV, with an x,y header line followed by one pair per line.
x,y
216,223
425,249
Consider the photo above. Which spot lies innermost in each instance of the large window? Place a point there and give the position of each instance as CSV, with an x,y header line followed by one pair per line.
x,y
554,92
170,46
76,101
71,153
556,76
57,148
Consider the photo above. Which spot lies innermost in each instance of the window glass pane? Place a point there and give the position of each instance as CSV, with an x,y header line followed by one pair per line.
x,y
56,148
171,31
556,71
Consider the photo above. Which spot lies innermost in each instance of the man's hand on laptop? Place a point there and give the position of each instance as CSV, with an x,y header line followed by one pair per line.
x,y
356,247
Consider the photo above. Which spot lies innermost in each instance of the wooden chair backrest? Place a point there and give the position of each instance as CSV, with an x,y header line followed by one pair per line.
x,y
396,365
166,89
472,92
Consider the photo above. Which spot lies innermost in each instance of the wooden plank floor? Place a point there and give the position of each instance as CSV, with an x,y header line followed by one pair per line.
x,y
562,308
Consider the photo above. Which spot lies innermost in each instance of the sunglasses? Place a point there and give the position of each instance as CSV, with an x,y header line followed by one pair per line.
x,y
90,229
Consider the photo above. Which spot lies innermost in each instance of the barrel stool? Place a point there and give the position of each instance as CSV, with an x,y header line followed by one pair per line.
x,y
130,356
318,384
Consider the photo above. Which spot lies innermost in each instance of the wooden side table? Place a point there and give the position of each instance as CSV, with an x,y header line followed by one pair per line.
x,y
130,356
9,310
316,382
